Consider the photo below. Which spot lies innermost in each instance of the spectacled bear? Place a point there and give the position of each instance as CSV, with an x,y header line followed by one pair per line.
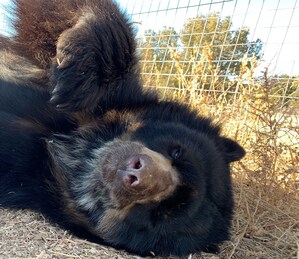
x,y
83,143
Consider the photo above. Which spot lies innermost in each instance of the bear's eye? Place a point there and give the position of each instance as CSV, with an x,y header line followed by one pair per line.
x,y
176,153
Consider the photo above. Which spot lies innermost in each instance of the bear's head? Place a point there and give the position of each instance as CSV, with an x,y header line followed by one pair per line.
x,y
161,187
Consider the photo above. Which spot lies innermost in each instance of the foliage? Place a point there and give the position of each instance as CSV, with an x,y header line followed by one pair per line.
x,y
285,87
200,37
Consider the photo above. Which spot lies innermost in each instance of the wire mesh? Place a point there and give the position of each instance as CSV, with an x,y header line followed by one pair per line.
x,y
212,39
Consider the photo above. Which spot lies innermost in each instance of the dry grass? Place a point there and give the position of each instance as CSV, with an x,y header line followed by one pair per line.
x,y
25,234
266,222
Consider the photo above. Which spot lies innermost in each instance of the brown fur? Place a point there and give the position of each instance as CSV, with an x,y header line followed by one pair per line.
x,y
51,18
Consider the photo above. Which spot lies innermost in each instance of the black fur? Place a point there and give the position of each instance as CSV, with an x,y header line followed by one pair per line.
x,y
82,142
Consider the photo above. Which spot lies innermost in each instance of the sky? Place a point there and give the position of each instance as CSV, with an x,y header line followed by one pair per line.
x,y
3,24
275,22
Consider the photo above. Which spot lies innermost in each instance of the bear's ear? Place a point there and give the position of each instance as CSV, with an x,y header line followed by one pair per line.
x,y
233,151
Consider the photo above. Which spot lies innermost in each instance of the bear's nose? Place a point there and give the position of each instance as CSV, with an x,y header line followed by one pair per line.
x,y
135,163
135,171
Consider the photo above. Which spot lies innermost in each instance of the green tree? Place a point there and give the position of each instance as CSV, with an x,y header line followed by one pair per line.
x,y
207,46
156,62
228,46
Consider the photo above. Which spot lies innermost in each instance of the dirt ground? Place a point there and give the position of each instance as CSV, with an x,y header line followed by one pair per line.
x,y
260,231
26,234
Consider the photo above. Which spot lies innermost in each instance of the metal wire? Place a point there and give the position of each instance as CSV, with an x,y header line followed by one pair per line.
x,y
261,18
